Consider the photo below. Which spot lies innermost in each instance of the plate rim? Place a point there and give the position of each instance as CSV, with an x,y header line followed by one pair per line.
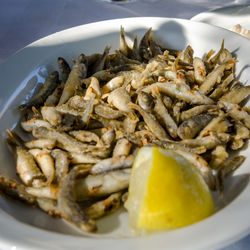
x,y
216,11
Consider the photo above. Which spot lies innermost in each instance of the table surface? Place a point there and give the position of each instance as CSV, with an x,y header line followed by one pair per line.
x,y
24,21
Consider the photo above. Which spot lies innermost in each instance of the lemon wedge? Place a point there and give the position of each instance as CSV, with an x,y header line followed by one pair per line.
x,y
165,192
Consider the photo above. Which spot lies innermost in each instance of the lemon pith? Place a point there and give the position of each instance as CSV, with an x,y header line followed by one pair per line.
x,y
166,191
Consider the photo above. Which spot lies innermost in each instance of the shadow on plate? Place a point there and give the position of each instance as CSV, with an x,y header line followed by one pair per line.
x,y
234,185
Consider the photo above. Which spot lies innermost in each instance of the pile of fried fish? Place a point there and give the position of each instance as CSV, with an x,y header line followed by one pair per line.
x,y
88,121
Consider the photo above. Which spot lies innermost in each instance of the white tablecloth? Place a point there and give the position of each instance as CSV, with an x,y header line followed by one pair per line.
x,y
24,21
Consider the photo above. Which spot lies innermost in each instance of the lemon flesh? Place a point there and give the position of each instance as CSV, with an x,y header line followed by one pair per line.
x,y
166,192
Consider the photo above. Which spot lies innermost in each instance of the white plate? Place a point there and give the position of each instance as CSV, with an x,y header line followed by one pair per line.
x,y
28,228
226,17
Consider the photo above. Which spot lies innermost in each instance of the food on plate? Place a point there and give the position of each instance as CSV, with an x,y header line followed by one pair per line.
x,y
87,123
241,30
165,191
